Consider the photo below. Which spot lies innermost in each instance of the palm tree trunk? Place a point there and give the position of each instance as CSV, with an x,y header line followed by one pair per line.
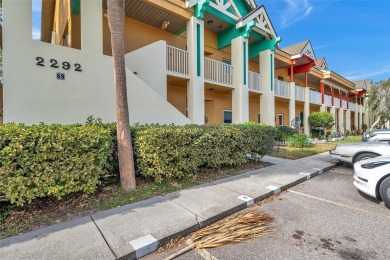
x,y
116,9
375,123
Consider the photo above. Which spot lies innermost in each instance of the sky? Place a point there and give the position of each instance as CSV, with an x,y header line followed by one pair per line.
x,y
352,35
36,19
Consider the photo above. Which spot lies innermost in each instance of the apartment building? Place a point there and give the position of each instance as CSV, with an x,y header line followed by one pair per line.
x,y
201,62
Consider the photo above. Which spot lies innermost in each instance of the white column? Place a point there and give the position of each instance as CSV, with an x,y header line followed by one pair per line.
x,y
333,112
267,99
341,120
195,85
91,26
360,117
240,95
348,120
291,104
356,115
306,111
323,108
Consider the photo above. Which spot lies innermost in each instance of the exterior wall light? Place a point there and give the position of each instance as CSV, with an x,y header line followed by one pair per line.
x,y
164,25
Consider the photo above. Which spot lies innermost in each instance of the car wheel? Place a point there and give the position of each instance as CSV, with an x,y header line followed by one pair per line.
x,y
384,191
364,156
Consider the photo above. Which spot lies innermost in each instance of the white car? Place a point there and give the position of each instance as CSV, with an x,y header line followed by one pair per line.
x,y
372,176
354,152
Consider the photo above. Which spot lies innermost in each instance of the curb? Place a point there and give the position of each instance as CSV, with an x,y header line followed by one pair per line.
x,y
274,190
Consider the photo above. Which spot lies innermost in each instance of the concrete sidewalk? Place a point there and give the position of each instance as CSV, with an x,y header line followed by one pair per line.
x,y
134,230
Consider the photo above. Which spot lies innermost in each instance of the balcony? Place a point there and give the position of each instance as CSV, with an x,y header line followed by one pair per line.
x,y
177,61
315,97
336,102
328,100
352,106
344,104
218,72
254,81
281,89
299,93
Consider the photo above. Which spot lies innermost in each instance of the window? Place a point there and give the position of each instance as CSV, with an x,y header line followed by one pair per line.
x,y
280,119
258,118
281,78
227,116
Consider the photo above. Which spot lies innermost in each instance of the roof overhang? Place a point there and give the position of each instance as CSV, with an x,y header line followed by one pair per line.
x,y
338,80
263,24
306,51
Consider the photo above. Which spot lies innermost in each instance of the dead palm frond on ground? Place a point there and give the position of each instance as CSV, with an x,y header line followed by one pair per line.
x,y
238,228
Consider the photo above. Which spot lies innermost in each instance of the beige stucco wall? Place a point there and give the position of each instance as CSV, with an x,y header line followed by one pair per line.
x,y
281,107
33,94
215,103
254,107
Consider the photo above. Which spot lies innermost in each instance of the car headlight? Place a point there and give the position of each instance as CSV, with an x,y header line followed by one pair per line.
x,y
374,164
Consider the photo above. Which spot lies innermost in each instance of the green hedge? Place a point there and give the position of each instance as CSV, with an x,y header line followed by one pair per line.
x,y
40,160
56,160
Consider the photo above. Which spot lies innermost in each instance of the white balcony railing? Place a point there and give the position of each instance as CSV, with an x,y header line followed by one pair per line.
x,y
218,72
315,97
299,93
328,100
281,88
337,102
177,60
344,104
254,81
352,106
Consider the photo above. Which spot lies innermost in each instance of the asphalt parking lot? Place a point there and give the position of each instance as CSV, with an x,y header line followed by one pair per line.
x,y
323,218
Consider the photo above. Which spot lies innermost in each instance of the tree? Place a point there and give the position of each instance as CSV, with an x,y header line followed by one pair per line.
x,y
321,119
116,17
378,102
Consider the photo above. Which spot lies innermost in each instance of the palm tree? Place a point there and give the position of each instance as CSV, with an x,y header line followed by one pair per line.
x,y
379,102
116,13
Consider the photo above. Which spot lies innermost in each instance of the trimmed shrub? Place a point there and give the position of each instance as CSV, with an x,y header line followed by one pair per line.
x,y
299,140
259,139
165,151
284,132
56,160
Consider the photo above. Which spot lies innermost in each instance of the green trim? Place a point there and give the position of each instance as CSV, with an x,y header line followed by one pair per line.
x,y
242,8
225,38
221,16
181,30
271,57
263,45
75,7
200,8
198,54
245,61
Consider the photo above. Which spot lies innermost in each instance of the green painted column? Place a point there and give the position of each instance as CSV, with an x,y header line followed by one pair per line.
x,y
195,84
240,95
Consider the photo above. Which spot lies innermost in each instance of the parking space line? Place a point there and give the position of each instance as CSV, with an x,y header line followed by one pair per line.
x,y
339,204
205,254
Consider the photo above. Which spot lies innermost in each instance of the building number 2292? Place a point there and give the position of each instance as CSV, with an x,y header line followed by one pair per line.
x,y
54,64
